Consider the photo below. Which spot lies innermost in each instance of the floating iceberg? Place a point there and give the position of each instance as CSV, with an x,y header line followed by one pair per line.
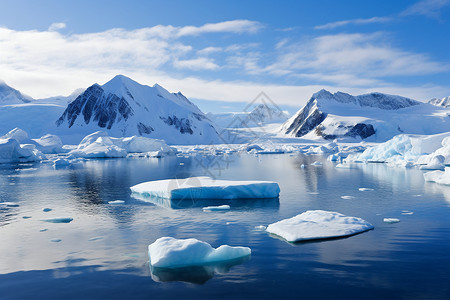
x,y
61,162
49,144
168,252
391,220
216,208
100,145
441,177
318,224
207,188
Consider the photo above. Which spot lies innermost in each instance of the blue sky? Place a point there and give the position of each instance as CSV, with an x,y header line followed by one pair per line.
x,y
222,54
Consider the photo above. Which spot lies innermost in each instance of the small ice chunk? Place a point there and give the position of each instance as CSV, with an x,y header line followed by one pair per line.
x,y
116,202
318,224
58,220
55,240
181,164
441,177
407,212
313,193
302,166
347,197
260,228
46,209
9,204
345,166
207,188
365,189
316,163
391,220
168,252
43,230
95,238
216,208
61,162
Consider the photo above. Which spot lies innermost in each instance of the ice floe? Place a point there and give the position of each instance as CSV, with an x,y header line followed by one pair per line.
x,y
347,197
207,188
391,220
9,204
363,189
11,152
116,202
168,252
441,177
318,224
216,208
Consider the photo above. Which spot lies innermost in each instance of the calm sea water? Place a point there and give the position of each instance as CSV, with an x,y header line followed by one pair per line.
x,y
102,253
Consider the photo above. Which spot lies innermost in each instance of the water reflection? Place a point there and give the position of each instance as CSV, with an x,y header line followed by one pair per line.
x,y
195,274
192,203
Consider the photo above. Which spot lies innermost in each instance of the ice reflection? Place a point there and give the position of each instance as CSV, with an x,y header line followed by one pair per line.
x,y
195,274
191,203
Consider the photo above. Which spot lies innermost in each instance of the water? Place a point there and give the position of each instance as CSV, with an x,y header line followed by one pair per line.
x,y
102,253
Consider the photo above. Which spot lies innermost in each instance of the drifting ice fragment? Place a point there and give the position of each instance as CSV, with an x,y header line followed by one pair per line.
x,y
116,202
441,177
43,230
195,188
168,252
58,220
316,163
365,189
318,224
260,228
9,204
55,240
391,220
216,208
347,197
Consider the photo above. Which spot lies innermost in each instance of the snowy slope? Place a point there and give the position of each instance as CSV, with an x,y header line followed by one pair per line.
x,y
8,95
123,107
375,117
444,102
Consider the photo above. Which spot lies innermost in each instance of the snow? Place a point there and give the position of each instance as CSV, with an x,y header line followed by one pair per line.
x,y
216,208
391,220
123,107
318,224
168,252
373,117
207,188
18,134
441,177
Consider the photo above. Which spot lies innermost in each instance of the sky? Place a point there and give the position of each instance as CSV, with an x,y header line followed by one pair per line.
x,y
222,54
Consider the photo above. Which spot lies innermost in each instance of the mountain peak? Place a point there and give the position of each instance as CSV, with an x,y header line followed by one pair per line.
x,y
9,95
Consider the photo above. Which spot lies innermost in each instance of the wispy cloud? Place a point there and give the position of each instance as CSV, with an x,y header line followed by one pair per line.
x,y
201,63
354,22
57,26
428,8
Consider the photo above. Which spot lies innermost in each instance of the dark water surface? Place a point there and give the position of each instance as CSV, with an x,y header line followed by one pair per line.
x,y
102,253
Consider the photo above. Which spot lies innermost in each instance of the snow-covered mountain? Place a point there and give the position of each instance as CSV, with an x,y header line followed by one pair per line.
x,y
8,95
444,102
260,115
374,116
123,107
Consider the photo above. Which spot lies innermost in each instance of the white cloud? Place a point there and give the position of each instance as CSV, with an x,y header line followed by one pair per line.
x,y
56,26
363,55
201,63
429,8
354,22
235,26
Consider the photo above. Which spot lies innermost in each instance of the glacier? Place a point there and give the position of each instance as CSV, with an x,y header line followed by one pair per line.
x,y
318,224
168,252
195,188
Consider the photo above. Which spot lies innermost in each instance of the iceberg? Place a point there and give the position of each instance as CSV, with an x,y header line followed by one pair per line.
x,y
318,224
116,202
168,252
100,145
441,177
49,144
11,152
195,188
